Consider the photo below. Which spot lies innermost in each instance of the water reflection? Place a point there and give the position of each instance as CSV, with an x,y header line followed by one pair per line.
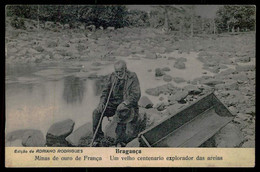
x,y
74,89
100,84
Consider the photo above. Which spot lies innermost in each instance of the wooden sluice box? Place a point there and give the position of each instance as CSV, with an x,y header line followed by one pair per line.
x,y
190,127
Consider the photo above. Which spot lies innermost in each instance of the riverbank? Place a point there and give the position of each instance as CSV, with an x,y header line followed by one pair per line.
x,y
170,69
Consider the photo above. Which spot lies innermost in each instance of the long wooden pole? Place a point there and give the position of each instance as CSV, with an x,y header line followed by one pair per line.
x,y
100,120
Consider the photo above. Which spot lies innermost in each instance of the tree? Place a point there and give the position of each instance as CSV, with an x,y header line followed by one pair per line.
x,y
137,18
230,17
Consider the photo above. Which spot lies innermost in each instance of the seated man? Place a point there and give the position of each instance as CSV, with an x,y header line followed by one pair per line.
x,y
124,96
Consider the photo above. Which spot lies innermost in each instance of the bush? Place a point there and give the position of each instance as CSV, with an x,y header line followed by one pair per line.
x,y
17,23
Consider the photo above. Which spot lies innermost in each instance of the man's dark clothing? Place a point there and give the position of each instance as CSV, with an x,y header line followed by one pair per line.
x,y
125,90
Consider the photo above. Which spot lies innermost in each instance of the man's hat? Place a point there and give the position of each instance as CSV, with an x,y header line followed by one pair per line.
x,y
124,115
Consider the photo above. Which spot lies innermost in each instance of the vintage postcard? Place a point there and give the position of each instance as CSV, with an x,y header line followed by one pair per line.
x,y
130,85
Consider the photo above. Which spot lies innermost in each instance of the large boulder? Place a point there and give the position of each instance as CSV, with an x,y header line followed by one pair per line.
x,y
33,138
145,102
58,132
82,134
133,143
27,137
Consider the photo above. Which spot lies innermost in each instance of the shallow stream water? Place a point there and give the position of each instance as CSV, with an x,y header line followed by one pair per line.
x,y
39,95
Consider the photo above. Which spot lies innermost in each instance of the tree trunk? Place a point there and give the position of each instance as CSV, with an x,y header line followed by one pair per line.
x,y
202,26
191,26
214,27
192,21
181,26
166,20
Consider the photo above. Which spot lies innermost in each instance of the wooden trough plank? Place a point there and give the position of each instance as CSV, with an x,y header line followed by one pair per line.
x,y
191,126
208,131
168,125
207,122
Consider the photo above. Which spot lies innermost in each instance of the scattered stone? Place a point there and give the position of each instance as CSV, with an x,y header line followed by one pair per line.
x,y
228,72
164,89
51,44
161,98
179,96
240,76
171,58
212,82
145,102
96,64
182,59
166,69
192,89
249,144
153,91
167,78
82,134
150,55
57,56
229,85
178,79
39,49
179,65
222,66
245,68
160,106
250,110
233,110
229,136
214,69
159,72
244,59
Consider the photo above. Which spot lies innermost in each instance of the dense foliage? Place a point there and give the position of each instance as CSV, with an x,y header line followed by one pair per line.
x,y
230,17
169,17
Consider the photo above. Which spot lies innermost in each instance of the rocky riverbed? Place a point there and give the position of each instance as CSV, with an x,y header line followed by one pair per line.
x,y
173,72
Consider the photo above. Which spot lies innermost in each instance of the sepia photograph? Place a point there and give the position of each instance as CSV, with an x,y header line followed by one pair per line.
x,y
134,76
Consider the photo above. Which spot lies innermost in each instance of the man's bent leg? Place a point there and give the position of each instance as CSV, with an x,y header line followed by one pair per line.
x,y
121,133
110,111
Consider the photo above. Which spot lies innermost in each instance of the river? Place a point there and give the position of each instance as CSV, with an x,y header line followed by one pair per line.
x,y
39,95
